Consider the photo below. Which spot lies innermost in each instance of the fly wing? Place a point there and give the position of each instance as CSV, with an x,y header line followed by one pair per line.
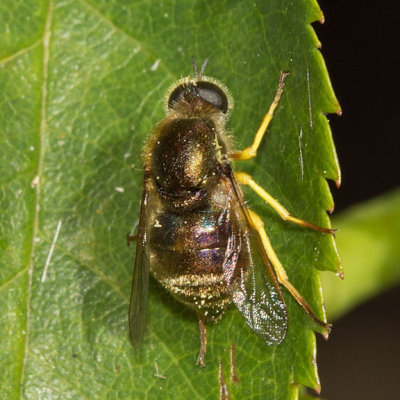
x,y
140,280
249,276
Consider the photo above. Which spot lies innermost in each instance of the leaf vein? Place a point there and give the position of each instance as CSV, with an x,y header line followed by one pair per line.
x,y
173,359
127,35
13,278
21,52
47,363
35,229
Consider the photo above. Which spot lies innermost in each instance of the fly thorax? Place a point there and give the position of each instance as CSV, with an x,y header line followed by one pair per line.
x,y
185,162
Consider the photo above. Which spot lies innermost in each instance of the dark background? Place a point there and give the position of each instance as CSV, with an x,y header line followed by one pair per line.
x,y
360,44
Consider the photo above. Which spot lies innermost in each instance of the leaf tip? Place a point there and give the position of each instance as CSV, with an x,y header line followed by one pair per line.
x,y
340,274
317,389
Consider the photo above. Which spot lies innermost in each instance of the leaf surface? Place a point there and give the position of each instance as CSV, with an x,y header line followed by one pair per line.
x,y
82,84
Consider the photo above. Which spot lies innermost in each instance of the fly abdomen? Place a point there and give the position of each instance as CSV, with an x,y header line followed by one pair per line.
x,y
187,253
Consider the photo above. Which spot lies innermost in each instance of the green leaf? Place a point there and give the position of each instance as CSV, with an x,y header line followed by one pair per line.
x,y
82,84
368,241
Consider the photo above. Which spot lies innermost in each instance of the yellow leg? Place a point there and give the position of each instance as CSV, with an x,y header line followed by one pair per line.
x,y
251,151
281,273
246,179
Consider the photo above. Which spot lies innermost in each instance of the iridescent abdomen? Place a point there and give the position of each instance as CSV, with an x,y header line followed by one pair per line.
x,y
187,251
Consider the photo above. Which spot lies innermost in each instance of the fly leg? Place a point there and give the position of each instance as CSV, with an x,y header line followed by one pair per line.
x,y
251,151
283,279
203,341
130,238
246,179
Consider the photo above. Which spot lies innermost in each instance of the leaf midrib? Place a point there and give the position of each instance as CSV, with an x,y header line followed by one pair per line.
x,y
42,135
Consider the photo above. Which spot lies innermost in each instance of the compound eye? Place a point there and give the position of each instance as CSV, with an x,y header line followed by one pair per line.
x,y
176,95
213,94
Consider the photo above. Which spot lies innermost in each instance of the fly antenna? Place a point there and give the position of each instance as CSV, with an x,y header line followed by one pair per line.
x,y
197,74
203,67
194,67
